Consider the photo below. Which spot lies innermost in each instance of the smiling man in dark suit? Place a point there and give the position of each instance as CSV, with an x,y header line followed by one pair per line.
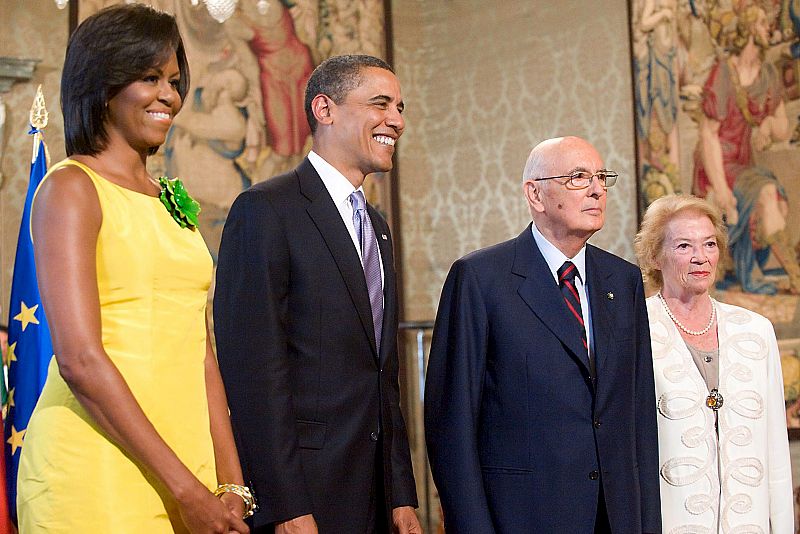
x,y
539,402
305,312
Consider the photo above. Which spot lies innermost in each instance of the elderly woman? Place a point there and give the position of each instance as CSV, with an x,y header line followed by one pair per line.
x,y
723,448
131,432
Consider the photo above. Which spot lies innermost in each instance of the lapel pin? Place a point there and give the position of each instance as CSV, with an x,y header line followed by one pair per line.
x,y
383,236
610,295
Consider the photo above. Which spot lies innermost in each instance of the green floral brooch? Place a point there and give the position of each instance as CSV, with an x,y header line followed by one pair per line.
x,y
179,204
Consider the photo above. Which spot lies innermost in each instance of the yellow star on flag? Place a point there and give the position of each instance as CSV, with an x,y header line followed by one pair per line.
x,y
11,396
27,315
12,357
16,439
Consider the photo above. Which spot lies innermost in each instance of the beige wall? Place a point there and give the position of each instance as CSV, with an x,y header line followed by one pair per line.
x,y
483,83
29,29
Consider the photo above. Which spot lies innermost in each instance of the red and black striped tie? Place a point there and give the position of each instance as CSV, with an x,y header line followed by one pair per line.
x,y
566,281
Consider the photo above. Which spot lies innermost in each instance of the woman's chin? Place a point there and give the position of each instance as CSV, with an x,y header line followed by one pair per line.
x,y
692,287
701,287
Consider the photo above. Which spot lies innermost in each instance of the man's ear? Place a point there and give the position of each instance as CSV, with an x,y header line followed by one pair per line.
x,y
322,106
533,194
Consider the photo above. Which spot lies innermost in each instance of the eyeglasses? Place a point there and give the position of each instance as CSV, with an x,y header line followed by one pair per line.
x,y
583,179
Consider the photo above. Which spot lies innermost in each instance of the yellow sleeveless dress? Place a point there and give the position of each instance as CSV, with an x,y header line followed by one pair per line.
x,y
153,277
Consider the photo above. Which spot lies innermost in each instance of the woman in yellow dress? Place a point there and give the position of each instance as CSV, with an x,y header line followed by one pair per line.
x,y
131,433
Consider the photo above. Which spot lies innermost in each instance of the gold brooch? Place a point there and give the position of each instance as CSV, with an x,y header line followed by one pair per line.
x,y
714,400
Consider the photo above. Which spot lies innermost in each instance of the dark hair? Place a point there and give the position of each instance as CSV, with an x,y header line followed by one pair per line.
x,y
336,77
109,50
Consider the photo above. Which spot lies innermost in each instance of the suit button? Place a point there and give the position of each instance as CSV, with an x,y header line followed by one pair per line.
x,y
373,436
594,475
596,423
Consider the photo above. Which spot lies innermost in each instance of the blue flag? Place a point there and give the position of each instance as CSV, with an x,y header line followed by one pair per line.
x,y
29,345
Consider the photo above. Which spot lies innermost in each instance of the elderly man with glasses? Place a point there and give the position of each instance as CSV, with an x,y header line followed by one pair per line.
x,y
539,404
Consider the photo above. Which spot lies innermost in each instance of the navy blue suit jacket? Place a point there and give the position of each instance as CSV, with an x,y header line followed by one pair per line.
x,y
519,437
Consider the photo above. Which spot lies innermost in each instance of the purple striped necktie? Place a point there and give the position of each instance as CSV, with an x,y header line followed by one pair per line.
x,y
566,282
370,261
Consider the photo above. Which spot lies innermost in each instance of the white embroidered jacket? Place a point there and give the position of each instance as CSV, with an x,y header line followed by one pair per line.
x,y
741,482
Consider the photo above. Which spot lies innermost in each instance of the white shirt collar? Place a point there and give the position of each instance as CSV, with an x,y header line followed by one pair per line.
x,y
339,187
555,258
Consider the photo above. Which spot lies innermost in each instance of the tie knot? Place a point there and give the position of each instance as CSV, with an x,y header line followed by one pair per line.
x,y
567,272
358,201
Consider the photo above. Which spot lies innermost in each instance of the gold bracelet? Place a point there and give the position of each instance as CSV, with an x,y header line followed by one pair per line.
x,y
241,491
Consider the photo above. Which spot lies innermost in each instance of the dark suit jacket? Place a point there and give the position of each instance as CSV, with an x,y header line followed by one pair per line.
x,y
517,434
310,397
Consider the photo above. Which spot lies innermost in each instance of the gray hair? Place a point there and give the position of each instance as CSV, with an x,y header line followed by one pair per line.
x,y
534,164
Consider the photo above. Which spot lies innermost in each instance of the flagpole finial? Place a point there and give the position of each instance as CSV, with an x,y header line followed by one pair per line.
x,y
38,114
38,119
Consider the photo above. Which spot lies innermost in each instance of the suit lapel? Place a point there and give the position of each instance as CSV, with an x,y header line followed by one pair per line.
x,y
387,258
542,295
326,217
601,307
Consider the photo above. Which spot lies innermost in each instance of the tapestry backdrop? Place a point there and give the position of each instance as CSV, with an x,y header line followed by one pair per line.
x,y
243,120
716,100
716,105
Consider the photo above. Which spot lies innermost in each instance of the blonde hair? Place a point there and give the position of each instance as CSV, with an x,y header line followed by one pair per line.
x,y
731,28
649,242
745,27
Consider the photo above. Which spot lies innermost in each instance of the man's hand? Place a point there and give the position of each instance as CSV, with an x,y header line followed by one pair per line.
x,y
304,524
405,521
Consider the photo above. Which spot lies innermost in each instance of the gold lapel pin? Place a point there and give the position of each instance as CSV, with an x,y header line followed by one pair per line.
x,y
610,295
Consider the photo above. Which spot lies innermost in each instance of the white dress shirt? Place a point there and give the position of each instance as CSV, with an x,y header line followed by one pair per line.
x,y
555,259
340,189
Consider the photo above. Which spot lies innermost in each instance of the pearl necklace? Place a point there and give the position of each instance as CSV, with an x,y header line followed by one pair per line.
x,y
678,323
